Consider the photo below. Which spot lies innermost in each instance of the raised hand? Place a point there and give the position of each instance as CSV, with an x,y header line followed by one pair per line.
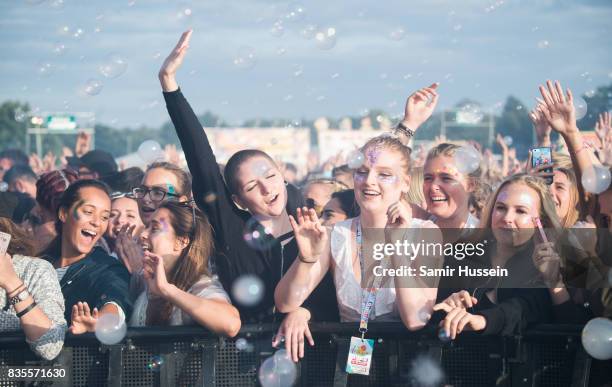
x,y
559,108
548,263
501,142
83,144
155,274
128,249
83,319
173,62
419,106
540,124
603,129
399,215
310,235
293,330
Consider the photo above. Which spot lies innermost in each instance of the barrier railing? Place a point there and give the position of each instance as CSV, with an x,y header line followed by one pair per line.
x,y
547,355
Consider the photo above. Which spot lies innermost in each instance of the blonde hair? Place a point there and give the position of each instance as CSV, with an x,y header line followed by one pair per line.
x,y
391,143
548,213
415,194
449,150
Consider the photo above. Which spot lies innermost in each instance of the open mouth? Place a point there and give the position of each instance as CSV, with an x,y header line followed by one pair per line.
x,y
273,200
438,198
370,193
146,247
147,210
89,234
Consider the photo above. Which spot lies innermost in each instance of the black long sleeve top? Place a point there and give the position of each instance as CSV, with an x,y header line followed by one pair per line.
x,y
234,257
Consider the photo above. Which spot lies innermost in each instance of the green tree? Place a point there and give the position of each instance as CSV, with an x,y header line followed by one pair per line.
x,y
515,122
598,103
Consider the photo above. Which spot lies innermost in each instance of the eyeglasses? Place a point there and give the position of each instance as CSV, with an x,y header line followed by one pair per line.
x,y
119,195
156,194
190,204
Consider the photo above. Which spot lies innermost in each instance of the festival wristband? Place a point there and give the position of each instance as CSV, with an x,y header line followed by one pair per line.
x,y
26,310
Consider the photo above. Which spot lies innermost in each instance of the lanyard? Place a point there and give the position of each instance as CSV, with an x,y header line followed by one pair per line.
x,y
368,298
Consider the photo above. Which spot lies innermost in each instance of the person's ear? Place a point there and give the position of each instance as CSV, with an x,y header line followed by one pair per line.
x,y
239,203
406,184
471,184
181,243
62,214
183,198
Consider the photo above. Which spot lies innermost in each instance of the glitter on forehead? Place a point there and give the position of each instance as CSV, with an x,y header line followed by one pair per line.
x,y
164,225
372,154
170,188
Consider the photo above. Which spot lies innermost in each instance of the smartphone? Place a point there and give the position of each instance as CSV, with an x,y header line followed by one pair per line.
x,y
540,156
5,239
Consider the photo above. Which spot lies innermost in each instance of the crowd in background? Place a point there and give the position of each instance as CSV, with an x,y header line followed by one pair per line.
x,y
167,245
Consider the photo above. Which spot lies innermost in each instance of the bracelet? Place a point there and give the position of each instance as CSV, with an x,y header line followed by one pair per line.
x,y
14,290
26,310
304,260
404,130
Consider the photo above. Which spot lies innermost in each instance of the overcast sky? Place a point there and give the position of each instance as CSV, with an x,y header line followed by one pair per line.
x,y
481,49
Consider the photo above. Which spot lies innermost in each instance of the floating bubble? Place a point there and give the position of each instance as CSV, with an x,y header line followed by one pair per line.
x,y
154,364
150,151
242,344
581,107
355,159
183,14
245,59
442,336
20,115
309,31
257,236
277,29
44,68
3,186
335,75
326,38
296,12
467,159
110,329
596,179
425,371
57,4
597,338
397,34
113,66
248,290
78,33
271,374
59,48
93,87
542,44
284,363
508,140
457,27
63,30
470,114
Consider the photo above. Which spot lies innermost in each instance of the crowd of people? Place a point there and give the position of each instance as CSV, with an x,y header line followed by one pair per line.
x,y
166,246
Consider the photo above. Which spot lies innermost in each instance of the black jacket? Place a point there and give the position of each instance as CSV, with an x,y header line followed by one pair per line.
x,y
234,257
96,279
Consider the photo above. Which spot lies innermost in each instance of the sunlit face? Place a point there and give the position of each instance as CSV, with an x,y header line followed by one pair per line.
x,y
5,165
165,180
124,211
512,218
160,238
560,190
446,190
261,188
380,181
86,221
333,213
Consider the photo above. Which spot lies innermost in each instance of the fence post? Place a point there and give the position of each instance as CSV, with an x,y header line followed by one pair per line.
x,y
340,375
209,353
582,368
115,365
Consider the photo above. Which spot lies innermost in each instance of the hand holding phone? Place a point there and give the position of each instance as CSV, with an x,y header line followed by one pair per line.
x,y
539,157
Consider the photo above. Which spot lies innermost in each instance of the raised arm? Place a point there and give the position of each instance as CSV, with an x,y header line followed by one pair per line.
x,y
419,107
308,270
198,152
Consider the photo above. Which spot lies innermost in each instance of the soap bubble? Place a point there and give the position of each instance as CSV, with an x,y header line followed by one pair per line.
x,y
110,329
597,338
467,159
59,48
275,374
325,38
248,290
154,364
277,29
150,151
397,34
508,140
20,115
355,159
309,31
44,68
296,12
596,179
3,186
284,363
542,44
57,4
470,114
113,66
93,87
245,59
183,13
581,107
442,336
425,371
242,344
257,236
78,33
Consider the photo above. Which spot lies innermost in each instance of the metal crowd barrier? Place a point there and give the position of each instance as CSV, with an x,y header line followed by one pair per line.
x,y
547,355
